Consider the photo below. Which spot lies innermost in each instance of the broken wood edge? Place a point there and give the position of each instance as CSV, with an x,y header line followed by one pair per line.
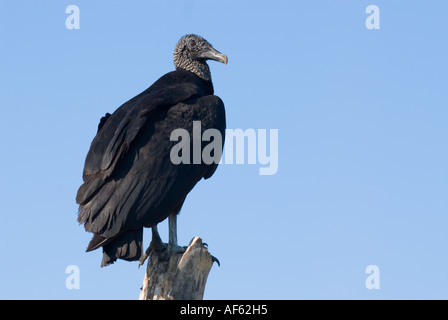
x,y
179,276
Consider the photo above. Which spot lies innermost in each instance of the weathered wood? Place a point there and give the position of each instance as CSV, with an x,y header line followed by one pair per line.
x,y
180,276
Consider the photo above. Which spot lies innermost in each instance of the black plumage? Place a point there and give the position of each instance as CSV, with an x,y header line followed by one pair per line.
x,y
129,179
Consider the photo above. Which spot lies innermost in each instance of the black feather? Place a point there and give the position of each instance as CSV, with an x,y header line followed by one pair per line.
x,y
129,179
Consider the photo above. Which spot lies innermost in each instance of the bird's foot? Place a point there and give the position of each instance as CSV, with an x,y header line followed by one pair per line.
x,y
157,246
167,250
175,249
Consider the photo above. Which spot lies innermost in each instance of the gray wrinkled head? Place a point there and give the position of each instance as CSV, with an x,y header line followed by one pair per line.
x,y
192,52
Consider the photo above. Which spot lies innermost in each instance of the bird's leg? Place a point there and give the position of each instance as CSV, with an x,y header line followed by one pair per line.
x,y
172,225
156,242
173,247
156,245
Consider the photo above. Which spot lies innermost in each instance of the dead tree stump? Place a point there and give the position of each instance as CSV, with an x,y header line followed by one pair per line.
x,y
179,276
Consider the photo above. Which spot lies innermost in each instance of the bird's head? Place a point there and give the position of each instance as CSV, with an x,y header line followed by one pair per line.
x,y
192,52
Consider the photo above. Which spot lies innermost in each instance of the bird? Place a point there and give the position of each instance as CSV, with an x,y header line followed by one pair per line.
x,y
129,180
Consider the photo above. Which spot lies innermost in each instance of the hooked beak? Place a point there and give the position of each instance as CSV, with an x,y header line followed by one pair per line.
x,y
213,54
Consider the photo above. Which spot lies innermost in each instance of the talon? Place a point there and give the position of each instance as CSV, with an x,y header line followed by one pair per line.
x,y
144,257
214,259
142,260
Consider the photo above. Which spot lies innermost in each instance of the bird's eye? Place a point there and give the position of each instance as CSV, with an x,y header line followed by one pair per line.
x,y
192,43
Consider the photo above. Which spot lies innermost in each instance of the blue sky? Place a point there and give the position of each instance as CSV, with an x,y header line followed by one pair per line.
x,y
362,117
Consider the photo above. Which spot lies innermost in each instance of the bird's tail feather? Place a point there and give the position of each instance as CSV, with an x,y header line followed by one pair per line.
x,y
96,242
128,246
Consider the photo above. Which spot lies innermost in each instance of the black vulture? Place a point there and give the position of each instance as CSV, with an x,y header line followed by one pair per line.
x,y
129,179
